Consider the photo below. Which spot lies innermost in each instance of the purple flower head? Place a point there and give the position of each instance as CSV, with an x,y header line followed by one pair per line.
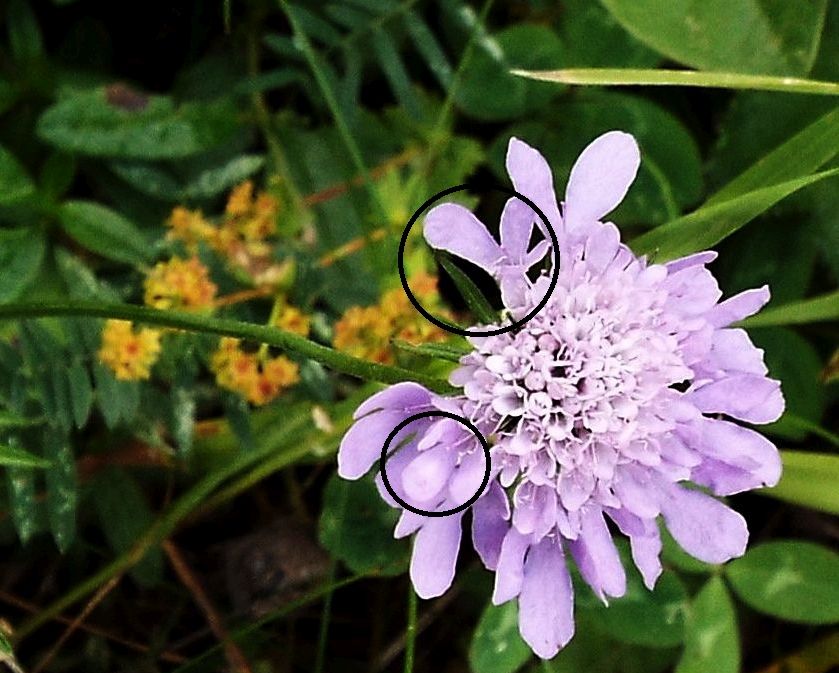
x,y
627,383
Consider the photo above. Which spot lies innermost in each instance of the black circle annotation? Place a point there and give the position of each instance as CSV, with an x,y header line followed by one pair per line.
x,y
430,414
475,187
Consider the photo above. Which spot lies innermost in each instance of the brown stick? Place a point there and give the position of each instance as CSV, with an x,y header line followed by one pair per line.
x,y
232,653
97,598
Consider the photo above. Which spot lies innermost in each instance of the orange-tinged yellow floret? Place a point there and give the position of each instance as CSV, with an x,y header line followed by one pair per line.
x,y
367,332
257,377
129,353
190,227
292,319
180,284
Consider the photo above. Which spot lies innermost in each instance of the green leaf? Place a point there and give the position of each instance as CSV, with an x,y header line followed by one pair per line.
x,y
795,580
809,479
145,127
394,70
446,351
124,515
496,644
25,36
21,256
104,231
16,457
486,90
24,505
81,392
753,36
11,420
15,184
805,152
792,359
691,78
475,300
642,617
593,651
356,526
712,640
62,488
107,394
815,309
183,418
709,225
57,174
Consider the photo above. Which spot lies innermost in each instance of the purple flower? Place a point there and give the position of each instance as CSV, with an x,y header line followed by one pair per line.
x,y
629,382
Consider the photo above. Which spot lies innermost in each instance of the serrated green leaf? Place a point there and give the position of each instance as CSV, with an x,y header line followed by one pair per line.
x,y
21,256
474,298
104,231
24,506
496,644
712,639
152,128
753,36
794,580
15,184
62,488
81,392
124,515
809,479
356,526
708,225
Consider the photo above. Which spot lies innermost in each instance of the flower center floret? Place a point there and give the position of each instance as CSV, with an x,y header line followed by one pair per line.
x,y
583,386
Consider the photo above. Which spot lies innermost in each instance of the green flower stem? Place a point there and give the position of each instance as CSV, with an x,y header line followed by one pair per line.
x,y
411,630
292,343
662,77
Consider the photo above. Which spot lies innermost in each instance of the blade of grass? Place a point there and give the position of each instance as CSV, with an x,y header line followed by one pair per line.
x,y
694,78
809,479
710,224
475,300
292,343
815,309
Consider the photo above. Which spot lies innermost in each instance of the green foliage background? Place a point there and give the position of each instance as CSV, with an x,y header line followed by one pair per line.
x,y
352,113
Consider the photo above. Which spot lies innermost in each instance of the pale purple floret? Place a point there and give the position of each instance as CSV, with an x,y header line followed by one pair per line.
x,y
629,382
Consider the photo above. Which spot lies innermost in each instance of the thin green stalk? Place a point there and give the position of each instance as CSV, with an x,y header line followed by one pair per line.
x,y
696,78
411,630
273,336
325,618
329,96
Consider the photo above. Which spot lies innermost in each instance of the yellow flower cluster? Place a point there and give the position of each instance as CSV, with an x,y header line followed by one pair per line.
x,y
241,237
129,353
180,284
367,332
257,376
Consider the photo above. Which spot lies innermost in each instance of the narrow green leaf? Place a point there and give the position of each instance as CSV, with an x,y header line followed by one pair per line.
x,y
62,488
475,300
803,154
794,580
692,78
496,644
237,412
24,506
15,184
709,225
124,514
10,420
107,394
808,479
183,418
104,231
21,256
429,47
16,457
391,63
712,640
755,36
815,309
81,392
25,36
63,416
